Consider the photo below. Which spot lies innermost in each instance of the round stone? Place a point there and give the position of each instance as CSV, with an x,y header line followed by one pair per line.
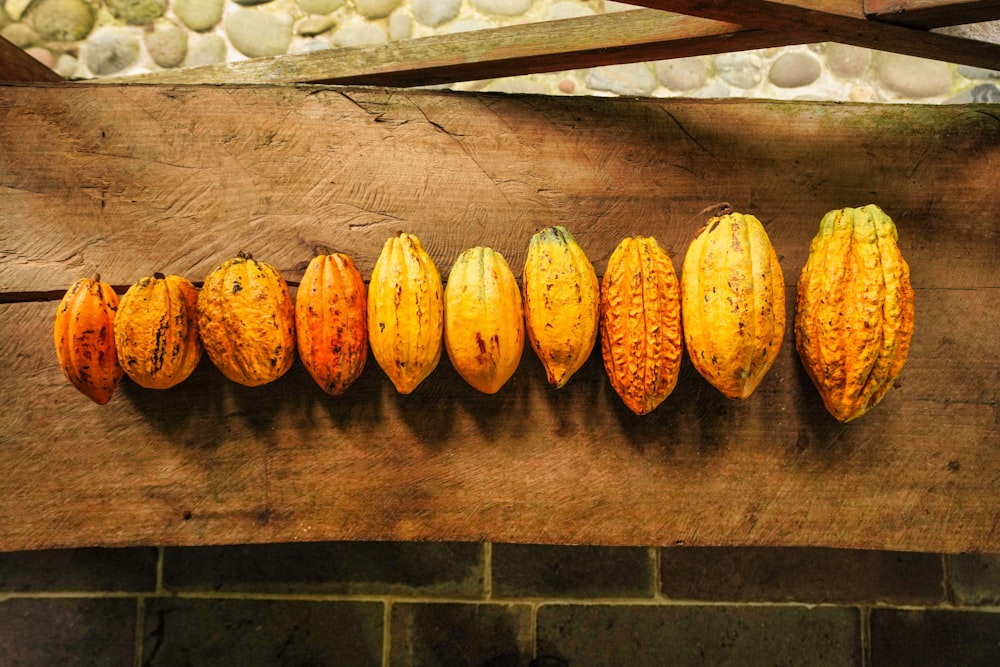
x,y
502,7
66,66
312,44
375,9
20,35
466,25
199,15
167,44
913,77
360,34
682,73
320,6
208,50
433,13
739,69
314,25
400,25
794,70
250,3
517,85
970,72
110,50
632,79
564,9
43,56
847,61
62,20
257,34
137,12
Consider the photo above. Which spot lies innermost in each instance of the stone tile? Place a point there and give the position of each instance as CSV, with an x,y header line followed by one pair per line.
x,y
934,637
202,631
487,634
648,635
525,570
132,570
397,568
67,632
801,575
975,579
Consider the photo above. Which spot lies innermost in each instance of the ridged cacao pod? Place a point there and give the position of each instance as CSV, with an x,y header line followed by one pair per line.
x,y
641,340
331,321
246,320
156,331
85,338
854,310
483,319
561,303
405,318
733,303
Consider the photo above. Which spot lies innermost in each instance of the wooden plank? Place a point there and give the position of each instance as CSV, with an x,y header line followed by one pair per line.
x,y
16,65
932,13
837,22
135,179
522,49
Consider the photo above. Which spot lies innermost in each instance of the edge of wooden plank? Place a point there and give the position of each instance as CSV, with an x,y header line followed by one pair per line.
x,y
16,65
932,13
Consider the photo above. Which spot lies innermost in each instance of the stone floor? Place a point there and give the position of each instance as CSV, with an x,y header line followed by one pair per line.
x,y
84,39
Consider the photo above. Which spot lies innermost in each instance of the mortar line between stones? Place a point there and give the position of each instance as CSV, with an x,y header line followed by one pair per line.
x,y
654,557
140,630
161,553
386,631
866,631
946,580
487,570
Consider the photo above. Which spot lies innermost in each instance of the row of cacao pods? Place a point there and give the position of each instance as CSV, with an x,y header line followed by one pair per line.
x,y
853,321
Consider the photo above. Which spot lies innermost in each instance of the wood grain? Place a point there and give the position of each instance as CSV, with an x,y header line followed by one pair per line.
x,y
932,13
17,65
135,179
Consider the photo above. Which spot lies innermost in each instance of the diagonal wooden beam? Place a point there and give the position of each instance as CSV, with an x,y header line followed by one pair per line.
x,y
932,13
16,65
590,41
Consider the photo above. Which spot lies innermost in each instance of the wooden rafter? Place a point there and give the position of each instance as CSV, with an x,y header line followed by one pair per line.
x,y
16,65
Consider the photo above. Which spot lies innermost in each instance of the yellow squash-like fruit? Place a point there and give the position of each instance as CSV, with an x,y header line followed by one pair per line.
x,y
561,303
156,331
854,310
85,338
405,318
733,303
331,321
246,320
483,319
641,340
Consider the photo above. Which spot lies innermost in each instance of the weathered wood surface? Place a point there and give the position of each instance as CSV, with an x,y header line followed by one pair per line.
x,y
131,180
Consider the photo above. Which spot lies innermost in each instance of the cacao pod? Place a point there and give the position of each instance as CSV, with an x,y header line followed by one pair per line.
x,y
641,341
483,319
85,338
331,321
246,320
156,331
561,303
854,310
733,303
405,312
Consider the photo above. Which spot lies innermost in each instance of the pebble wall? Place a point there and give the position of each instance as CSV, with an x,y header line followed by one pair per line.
x,y
92,38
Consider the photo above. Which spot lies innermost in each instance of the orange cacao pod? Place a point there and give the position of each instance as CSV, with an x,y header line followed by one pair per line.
x,y
246,320
405,312
156,331
854,310
733,303
641,341
561,303
85,338
483,319
331,321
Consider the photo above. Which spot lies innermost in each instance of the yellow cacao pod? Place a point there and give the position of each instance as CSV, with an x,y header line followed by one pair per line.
x,y
85,338
156,331
854,310
331,321
405,312
641,341
733,303
483,319
561,303
246,320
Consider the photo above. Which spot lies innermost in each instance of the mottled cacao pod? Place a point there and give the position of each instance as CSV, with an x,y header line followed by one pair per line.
x,y
561,303
733,303
331,321
483,319
405,312
641,341
85,338
156,331
246,320
854,310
